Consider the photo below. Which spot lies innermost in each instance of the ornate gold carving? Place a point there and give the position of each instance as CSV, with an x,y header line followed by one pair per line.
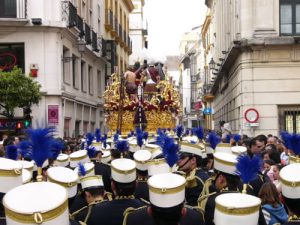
x,y
161,107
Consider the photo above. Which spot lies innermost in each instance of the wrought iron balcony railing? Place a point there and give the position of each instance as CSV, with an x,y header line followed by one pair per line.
x,y
87,34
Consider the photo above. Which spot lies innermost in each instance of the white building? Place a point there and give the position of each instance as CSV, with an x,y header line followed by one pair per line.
x,y
190,75
255,45
63,40
138,31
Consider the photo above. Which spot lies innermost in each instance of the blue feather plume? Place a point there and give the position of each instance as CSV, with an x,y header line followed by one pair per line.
x,y
236,138
213,140
41,140
179,130
118,132
228,137
11,152
139,139
98,135
138,131
56,147
160,139
91,151
294,143
199,132
170,151
286,138
26,149
122,146
248,168
158,130
81,169
145,135
116,137
89,139
103,140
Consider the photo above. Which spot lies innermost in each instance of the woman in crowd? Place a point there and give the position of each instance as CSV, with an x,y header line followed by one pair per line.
x,y
274,212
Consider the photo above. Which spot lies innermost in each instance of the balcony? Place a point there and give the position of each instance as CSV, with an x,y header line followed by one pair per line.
x,y
108,20
114,31
13,13
87,32
124,39
80,26
128,47
102,43
95,42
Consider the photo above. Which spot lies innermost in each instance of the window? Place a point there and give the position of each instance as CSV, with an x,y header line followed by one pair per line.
x,y
85,126
289,118
74,72
99,20
8,9
90,77
66,65
83,76
12,55
290,17
99,83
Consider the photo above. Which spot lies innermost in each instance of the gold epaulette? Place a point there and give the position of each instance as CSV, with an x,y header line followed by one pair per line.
x,y
145,201
109,196
203,200
72,215
130,210
207,184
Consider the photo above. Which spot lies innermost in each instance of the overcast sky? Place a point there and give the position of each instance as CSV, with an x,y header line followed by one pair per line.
x,y
168,20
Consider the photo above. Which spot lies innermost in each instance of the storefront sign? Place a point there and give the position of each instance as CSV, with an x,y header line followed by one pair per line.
x,y
53,115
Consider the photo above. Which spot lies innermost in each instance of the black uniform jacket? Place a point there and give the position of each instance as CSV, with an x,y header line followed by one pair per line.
x,y
193,192
142,190
140,216
111,212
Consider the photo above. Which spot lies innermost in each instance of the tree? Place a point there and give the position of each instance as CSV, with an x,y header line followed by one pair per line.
x,y
17,90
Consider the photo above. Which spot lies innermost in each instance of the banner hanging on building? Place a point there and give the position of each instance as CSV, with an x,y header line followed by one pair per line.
x,y
53,115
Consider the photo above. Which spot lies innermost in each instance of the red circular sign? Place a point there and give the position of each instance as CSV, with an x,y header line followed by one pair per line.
x,y
251,115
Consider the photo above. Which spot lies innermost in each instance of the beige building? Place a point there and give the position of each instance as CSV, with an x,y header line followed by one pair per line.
x,y
253,47
117,30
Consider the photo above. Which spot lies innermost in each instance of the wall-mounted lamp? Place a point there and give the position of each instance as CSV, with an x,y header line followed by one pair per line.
x,y
36,21
81,45
212,64
224,52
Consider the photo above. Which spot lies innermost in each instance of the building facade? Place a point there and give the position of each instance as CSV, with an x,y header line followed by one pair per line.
x,y
65,43
256,62
190,78
138,31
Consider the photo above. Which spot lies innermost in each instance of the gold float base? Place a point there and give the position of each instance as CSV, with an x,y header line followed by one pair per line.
x,y
155,120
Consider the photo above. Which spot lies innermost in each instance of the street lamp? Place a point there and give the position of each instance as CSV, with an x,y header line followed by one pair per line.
x,y
212,64
81,45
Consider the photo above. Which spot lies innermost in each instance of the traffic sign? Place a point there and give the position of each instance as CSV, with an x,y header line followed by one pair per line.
x,y
207,111
251,115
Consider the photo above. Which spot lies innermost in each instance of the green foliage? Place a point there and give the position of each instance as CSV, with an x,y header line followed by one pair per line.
x,y
17,90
